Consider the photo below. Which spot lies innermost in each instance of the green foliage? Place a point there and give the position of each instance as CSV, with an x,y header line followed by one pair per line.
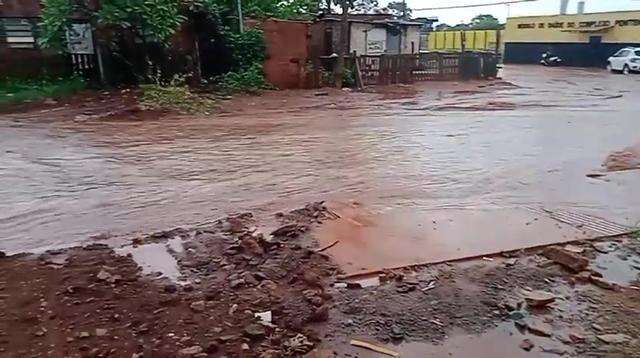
x,y
213,7
349,78
287,9
485,22
21,90
249,80
636,234
397,9
157,18
175,96
247,48
55,20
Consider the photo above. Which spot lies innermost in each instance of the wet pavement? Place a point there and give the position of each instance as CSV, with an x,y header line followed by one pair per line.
x,y
443,146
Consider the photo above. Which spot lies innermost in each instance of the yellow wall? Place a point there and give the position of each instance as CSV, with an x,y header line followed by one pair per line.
x,y
451,40
555,28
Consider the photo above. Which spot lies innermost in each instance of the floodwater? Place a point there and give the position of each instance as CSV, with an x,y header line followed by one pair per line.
x,y
442,146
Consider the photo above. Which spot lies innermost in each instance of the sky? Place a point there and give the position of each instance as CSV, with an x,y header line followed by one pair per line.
x,y
540,7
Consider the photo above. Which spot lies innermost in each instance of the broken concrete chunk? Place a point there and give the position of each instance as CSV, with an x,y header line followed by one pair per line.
x,y
570,260
539,298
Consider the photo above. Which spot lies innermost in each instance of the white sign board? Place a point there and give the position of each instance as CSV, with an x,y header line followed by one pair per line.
x,y
375,46
80,39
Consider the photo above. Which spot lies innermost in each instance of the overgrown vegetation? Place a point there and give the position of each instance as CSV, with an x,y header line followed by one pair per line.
x,y
636,234
249,80
248,49
176,96
23,90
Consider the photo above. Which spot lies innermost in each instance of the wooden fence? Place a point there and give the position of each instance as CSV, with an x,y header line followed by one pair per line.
x,y
431,66
389,69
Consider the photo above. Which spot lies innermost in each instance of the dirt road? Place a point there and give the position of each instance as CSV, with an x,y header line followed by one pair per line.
x,y
528,141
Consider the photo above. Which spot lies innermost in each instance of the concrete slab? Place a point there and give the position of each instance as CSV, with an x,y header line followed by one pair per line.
x,y
403,237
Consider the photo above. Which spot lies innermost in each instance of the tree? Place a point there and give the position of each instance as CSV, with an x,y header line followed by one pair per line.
x,y
397,8
485,22
364,6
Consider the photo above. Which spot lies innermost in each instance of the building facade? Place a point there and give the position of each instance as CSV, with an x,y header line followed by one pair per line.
x,y
368,34
20,54
579,39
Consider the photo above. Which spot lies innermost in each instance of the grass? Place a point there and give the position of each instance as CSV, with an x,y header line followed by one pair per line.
x,y
636,234
28,90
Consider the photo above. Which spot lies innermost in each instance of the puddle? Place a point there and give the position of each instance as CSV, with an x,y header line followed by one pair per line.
x,y
618,267
502,341
156,258
371,241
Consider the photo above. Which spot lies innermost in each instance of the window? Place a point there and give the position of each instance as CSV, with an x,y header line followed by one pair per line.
x,y
17,33
622,53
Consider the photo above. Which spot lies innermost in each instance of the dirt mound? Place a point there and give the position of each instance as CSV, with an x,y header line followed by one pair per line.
x,y
241,293
627,159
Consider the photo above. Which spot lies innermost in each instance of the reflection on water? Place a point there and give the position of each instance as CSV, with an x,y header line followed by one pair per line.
x,y
63,181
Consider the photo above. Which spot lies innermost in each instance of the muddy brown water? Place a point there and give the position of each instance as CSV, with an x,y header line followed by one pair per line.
x,y
443,146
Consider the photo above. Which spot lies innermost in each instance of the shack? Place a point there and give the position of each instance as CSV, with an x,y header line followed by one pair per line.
x,y
369,34
579,39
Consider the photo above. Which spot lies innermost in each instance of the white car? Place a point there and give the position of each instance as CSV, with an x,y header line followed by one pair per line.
x,y
625,60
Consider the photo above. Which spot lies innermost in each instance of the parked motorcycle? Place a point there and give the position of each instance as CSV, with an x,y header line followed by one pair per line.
x,y
549,59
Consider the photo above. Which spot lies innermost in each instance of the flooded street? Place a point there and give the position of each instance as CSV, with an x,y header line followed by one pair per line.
x,y
478,145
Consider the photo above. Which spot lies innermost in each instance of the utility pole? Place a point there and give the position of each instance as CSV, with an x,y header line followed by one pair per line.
x,y
404,9
344,43
240,19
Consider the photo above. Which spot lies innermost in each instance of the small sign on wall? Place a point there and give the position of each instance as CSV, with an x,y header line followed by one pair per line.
x,y
375,46
80,39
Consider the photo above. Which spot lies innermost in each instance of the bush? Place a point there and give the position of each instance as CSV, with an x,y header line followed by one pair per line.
x,y
247,48
175,96
250,80
25,90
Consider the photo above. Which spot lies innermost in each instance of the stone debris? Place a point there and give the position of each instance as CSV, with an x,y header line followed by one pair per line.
x,y
190,351
527,345
100,332
255,331
539,298
617,338
197,306
540,328
570,260
604,284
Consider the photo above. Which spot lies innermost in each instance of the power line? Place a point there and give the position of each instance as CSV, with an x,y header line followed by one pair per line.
x,y
475,5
